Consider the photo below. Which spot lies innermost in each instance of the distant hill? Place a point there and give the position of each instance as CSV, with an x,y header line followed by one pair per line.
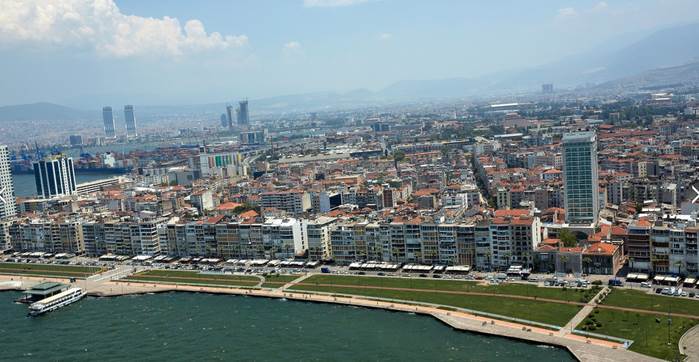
x,y
685,75
43,111
665,48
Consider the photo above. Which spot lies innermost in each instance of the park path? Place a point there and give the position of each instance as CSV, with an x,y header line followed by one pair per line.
x,y
582,314
111,274
295,281
689,344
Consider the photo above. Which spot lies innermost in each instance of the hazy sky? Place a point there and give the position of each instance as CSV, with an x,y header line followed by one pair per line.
x,y
90,52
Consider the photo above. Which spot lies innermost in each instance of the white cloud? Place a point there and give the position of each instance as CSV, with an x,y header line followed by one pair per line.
x,y
331,3
292,45
566,12
600,6
385,36
100,25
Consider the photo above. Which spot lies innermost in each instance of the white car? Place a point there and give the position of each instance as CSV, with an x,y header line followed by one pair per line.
x,y
645,285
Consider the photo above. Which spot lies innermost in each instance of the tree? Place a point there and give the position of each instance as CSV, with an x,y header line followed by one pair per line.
x,y
568,238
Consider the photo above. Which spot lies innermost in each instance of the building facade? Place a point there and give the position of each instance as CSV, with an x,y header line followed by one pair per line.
x,y
130,120
580,177
108,119
8,204
55,177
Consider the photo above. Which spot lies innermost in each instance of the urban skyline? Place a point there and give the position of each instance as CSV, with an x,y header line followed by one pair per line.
x,y
521,170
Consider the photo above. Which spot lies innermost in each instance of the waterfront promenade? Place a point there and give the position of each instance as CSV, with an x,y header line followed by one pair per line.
x,y
585,349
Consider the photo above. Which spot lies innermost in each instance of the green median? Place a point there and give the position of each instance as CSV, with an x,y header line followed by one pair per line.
x,y
193,278
278,281
48,270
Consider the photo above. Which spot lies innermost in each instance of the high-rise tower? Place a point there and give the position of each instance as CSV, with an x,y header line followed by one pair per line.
x,y
55,176
130,119
8,207
243,114
108,118
580,177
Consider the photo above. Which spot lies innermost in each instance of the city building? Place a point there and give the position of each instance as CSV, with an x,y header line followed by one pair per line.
x,y
547,88
8,205
76,140
293,202
55,176
243,113
253,137
108,118
130,119
580,179
318,236
229,115
210,163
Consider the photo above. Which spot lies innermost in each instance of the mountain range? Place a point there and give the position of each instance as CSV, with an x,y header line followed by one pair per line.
x,y
666,57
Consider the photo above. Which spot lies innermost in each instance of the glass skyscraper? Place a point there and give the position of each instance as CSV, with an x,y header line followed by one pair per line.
x,y
130,120
108,118
580,178
55,176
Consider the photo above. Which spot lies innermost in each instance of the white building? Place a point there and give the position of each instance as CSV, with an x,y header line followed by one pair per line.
x,y
318,235
8,207
285,238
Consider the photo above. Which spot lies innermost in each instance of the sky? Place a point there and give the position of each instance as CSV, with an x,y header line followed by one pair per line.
x,y
85,53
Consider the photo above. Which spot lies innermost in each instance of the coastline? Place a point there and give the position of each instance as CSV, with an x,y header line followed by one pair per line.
x,y
580,347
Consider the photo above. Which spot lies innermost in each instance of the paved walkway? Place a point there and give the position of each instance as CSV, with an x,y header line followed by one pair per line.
x,y
295,281
689,344
582,314
111,274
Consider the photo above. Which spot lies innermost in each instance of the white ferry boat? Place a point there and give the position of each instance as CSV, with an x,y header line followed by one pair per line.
x,y
56,301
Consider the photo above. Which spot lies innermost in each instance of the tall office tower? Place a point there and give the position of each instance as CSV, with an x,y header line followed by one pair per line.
x,y
76,140
8,207
224,120
547,88
55,176
581,184
243,115
130,120
229,113
108,119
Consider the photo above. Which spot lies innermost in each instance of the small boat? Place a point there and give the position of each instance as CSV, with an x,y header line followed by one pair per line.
x,y
54,302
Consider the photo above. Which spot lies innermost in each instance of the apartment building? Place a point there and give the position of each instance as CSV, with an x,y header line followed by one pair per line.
x,y
293,202
318,236
53,236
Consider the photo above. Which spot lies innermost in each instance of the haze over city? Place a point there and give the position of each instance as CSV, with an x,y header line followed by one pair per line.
x,y
390,180
82,53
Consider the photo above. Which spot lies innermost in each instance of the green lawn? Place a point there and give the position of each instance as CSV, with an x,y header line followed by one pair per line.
x,y
194,278
654,302
48,270
649,332
529,290
537,311
276,281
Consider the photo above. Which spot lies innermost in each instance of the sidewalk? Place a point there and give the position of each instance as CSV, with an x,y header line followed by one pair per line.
x,y
582,314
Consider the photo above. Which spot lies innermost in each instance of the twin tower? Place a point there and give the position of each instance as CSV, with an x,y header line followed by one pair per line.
x,y
129,118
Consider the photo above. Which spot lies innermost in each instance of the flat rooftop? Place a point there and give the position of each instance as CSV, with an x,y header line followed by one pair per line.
x,y
46,288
